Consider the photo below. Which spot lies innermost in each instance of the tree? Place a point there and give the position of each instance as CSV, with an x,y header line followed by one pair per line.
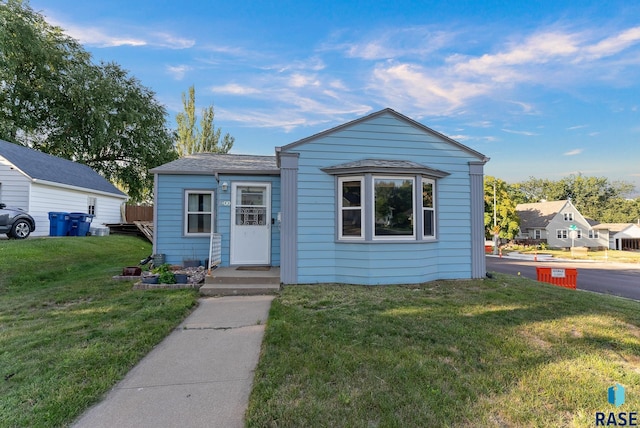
x,y
507,223
190,139
590,195
55,100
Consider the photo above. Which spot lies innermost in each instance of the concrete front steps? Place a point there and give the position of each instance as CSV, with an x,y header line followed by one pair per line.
x,y
244,281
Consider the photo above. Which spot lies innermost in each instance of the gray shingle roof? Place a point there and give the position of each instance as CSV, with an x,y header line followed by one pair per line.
x,y
41,166
212,163
384,166
538,214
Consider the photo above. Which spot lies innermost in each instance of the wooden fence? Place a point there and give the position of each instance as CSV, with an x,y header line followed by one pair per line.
x,y
138,213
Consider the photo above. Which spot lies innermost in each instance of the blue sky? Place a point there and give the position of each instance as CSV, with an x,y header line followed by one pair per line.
x,y
543,88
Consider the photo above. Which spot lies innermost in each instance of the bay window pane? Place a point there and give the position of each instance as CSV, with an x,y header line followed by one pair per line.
x,y
428,223
393,213
351,194
351,223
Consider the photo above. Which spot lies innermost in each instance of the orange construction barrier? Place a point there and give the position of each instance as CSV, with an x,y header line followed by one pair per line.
x,y
563,277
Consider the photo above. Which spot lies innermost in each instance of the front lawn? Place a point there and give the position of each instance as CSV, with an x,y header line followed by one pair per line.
x,y
505,352
68,331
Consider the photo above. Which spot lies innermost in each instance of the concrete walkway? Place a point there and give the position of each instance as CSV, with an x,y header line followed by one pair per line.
x,y
199,376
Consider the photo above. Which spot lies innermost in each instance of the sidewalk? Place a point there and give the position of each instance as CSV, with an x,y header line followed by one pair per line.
x,y
199,376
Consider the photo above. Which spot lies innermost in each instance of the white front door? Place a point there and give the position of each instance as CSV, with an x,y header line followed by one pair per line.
x,y
251,224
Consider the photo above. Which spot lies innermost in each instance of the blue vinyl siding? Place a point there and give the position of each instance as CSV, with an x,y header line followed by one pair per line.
x,y
169,222
321,258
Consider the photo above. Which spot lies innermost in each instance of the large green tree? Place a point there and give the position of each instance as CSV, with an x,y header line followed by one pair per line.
x,y
500,215
590,195
191,138
54,99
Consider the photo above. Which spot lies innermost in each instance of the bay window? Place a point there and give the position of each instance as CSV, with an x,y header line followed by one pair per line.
x,y
375,207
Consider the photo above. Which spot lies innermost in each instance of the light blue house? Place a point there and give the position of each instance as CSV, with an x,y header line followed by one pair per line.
x,y
379,200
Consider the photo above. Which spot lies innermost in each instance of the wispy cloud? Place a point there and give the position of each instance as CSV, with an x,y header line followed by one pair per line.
x,y
235,89
178,71
526,133
103,37
573,152
573,128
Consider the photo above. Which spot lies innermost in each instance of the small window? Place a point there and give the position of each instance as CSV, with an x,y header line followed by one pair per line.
x,y
91,205
593,234
428,209
537,234
578,234
562,234
568,216
350,208
198,212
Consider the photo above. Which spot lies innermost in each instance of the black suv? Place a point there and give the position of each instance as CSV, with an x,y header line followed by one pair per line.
x,y
15,222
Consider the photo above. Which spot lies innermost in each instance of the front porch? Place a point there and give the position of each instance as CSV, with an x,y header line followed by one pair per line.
x,y
242,280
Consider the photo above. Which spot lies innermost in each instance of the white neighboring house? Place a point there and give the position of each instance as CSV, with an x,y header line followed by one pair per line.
x,y
622,236
560,224
40,183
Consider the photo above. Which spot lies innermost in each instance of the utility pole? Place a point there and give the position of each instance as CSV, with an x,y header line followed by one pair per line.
x,y
495,220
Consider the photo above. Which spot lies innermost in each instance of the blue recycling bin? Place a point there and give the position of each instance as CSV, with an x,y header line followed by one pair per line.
x,y
58,224
79,224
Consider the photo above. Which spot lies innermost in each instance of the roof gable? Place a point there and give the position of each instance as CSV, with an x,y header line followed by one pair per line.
x,y
386,111
538,214
42,166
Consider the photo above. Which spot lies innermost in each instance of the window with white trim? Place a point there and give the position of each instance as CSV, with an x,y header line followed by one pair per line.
x,y
393,201
428,208
537,234
593,234
91,205
388,209
568,216
350,208
578,233
562,234
198,215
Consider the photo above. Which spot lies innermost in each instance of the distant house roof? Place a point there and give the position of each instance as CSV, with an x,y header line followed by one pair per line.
x,y
41,166
538,214
218,163
612,227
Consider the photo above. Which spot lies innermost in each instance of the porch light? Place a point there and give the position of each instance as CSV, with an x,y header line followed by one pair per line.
x,y
225,186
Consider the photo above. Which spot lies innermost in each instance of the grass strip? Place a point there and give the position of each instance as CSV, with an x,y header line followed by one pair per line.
x,y
68,331
506,352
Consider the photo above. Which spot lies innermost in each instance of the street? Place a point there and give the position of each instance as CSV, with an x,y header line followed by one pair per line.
x,y
618,279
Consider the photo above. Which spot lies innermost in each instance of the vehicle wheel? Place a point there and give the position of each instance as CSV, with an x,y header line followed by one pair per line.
x,y
20,229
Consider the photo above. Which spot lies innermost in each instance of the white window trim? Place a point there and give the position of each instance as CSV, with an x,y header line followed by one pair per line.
x,y
431,181
594,234
367,209
342,237
411,237
565,234
186,212
91,199
568,216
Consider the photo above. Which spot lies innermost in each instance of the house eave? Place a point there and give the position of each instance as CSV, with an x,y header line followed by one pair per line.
x,y
79,189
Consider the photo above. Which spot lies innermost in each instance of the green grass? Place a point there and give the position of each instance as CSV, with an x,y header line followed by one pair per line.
x,y
68,331
505,352
595,255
